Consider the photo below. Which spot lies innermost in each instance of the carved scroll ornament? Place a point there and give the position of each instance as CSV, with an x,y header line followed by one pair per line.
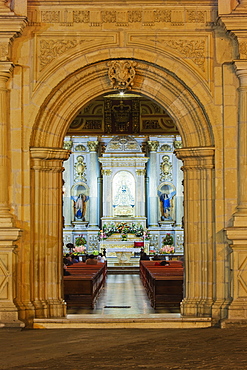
x,y
121,74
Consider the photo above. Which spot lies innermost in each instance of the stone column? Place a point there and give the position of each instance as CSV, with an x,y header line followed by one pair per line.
x,y
46,198
8,234
152,196
107,186
93,185
140,193
198,171
238,233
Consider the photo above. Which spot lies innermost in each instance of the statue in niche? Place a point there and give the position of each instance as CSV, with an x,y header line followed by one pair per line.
x,y
80,207
166,195
80,202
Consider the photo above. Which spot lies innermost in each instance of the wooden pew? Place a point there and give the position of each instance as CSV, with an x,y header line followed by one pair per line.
x,y
83,286
163,284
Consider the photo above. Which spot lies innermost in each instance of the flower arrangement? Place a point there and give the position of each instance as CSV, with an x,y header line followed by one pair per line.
x,y
80,240
79,250
168,239
167,249
122,228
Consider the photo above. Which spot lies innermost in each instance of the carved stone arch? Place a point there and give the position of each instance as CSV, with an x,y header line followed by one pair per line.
x,y
52,121
63,103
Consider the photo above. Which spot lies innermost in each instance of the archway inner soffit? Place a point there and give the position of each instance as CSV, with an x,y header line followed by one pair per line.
x,y
159,84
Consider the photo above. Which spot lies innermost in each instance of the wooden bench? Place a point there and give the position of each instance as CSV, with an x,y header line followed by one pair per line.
x,y
83,286
163,284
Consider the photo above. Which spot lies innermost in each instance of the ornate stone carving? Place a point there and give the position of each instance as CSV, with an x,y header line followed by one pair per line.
x,y
106,172
134,16
4,51
122,73
162,15
50,16
68,145
80,148
92,146
50,49
81,16
141,172
243,49
195,16
177,144
80,168
166,168
153,145
166,148
151,124
192,49
109,16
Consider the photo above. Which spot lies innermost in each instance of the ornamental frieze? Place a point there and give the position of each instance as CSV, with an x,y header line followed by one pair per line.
x,y
119,17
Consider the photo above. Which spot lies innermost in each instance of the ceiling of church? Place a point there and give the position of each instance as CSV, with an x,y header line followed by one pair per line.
x,y
128,114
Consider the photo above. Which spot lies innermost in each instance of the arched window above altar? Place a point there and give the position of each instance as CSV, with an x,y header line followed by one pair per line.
x,y
123,194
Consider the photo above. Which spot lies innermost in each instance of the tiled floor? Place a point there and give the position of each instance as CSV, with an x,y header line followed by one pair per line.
x,y
123,296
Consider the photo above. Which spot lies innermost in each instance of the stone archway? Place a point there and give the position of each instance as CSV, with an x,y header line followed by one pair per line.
x,y
51,125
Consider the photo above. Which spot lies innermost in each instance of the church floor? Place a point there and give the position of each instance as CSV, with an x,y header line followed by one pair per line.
x,y
115,349
123,296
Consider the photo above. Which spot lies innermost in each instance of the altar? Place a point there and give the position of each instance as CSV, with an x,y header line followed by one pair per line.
x,y
123,254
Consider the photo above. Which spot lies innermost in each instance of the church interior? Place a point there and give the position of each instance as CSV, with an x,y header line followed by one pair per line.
x,y
123,133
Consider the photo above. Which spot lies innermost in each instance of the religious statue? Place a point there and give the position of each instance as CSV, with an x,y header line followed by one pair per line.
x,y
80,206
166,199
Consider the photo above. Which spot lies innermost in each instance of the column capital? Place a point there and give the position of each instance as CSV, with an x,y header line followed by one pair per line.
x,y
92,146
49,153
6,69
153,145
241,71
200,157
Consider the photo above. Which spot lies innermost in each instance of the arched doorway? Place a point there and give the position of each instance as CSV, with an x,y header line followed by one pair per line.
x,y
197,155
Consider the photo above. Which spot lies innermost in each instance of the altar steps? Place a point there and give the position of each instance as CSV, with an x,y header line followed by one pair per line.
x,y
122,270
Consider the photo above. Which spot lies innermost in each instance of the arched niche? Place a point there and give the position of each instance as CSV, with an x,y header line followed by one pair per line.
x,y
123,191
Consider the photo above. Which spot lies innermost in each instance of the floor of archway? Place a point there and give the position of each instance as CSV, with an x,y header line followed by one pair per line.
x,y
123,296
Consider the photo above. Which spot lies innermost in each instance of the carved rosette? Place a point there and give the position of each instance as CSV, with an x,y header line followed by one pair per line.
x,y
121,74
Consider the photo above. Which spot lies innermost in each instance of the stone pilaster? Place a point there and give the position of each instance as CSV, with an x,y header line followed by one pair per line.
x,y
237,234
46,196
8,234
153,184
198,168
240,217
5,216
93,184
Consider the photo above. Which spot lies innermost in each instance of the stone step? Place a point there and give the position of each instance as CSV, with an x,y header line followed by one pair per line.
x,y
139,322
115,270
